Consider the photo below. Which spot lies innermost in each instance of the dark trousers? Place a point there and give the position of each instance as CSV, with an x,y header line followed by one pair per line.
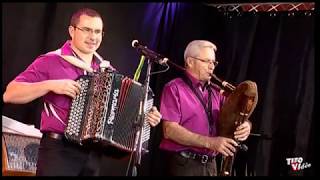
x,y
177,165
62,158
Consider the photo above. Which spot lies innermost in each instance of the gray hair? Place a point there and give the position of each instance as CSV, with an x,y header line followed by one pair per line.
x,y
194,47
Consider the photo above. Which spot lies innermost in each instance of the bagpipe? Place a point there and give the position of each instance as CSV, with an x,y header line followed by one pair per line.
x,y
240,102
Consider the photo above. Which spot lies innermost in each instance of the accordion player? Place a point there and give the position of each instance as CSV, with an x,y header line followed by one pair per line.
x,y
108,111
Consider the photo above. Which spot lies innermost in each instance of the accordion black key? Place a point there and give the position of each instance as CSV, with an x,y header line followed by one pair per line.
x,y
107,112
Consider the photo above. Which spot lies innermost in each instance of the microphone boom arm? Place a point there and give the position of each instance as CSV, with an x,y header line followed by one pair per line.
x,y
151,55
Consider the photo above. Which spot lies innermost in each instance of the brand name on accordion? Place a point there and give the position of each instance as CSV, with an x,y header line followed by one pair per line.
x,y
113,106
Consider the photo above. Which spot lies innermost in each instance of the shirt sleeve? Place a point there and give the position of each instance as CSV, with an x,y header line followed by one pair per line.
x,y
170,107
35,72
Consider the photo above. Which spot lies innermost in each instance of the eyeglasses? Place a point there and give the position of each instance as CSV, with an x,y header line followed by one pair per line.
x,y
215,63
88,31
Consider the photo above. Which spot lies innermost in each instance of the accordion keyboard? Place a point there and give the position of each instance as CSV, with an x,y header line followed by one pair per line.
x,y
77,112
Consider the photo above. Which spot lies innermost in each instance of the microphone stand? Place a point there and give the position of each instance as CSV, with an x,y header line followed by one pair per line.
x,y
140,122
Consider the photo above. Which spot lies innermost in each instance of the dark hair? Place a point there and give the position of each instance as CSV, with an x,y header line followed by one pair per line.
x,y
85,11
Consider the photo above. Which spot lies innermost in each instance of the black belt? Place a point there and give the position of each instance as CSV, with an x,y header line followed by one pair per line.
x,y
203,158
53,135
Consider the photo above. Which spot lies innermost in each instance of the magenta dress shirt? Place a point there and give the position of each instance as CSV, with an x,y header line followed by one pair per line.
x,y
179,104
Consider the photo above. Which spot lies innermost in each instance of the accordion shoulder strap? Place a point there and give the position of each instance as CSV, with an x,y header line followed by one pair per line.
x,y
80,64
72,60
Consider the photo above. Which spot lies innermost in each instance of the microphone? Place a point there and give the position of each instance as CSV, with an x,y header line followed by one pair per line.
x,y
160,59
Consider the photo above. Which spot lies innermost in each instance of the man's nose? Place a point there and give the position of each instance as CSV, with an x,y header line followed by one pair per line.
x,y
92,36
211,68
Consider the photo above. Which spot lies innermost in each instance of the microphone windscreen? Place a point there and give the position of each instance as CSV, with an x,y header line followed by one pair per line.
x,y
134,43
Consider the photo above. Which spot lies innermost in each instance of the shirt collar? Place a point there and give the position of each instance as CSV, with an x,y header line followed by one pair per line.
x,y
195,82
67,50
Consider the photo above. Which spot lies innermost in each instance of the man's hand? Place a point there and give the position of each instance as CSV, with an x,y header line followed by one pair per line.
x,y
65,86
154,116
243,130
223,145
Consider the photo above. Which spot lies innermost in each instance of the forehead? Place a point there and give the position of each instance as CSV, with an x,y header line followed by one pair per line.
x,y
90,22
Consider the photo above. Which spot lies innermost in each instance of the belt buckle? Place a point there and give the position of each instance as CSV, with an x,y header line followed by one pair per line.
x,y
184,154
204,159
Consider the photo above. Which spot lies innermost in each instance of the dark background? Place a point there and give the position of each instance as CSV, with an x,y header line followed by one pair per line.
x,y
277,52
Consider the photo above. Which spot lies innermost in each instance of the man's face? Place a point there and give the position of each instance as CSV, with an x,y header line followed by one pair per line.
x,y
202,66
87,35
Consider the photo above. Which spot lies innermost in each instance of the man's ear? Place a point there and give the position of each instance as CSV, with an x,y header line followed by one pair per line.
x,y
71,31
188,62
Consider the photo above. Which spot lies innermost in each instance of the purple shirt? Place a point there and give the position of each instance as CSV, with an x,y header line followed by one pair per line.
x,y
180,104
51,67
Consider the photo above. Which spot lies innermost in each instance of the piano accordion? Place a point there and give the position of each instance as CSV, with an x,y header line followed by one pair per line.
x,y
108,111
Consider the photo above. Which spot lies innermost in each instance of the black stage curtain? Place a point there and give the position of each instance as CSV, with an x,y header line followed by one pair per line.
x,y
277,52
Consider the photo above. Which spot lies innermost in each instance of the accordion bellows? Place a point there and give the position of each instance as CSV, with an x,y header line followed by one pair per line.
x,y
108,111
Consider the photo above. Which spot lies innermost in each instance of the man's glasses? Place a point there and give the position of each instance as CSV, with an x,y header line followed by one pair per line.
x,y
215,63
88,31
